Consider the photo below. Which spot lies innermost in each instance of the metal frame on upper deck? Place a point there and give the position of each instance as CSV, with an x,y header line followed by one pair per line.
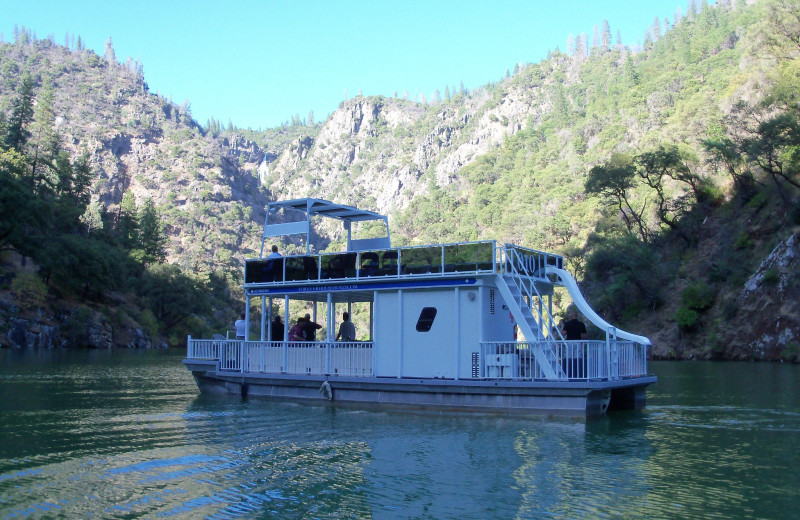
x,y
324,208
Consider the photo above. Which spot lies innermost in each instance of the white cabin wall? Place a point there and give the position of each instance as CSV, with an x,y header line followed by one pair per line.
x,y
386,315
464,316
472,310
431,353
498,324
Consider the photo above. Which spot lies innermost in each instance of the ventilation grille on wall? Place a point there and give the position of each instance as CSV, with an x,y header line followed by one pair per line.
x,y
491,301
476,369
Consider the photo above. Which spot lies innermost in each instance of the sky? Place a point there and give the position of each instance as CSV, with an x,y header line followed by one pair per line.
x,y
259,63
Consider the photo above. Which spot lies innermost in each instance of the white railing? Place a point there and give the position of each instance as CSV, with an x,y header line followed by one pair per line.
x,y
579,360
352,358
203,348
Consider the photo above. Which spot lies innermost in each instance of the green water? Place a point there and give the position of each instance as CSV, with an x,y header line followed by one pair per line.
x,y
125,434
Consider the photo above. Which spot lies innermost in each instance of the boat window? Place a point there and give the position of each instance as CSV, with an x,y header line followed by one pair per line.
x,y
426,317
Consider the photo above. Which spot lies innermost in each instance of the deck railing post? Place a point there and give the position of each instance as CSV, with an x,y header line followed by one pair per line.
x,y
327,346
284,356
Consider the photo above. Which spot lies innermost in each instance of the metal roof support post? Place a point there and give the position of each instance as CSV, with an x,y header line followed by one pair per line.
x,y
400,335
247,317
348,226
608,355
308,229
264,318
269,319
374,299
613,354
263,238
458,331
331,318
284,349
286,318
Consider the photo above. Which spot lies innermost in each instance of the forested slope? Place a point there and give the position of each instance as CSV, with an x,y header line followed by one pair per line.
x,y
654,171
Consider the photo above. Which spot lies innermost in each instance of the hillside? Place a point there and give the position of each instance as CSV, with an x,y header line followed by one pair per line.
x,y
508,161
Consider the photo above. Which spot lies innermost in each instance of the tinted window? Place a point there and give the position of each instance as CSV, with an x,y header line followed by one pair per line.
x,y
426,317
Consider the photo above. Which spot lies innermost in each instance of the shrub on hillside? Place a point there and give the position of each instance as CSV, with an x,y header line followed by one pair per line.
x,y
698,296
686,318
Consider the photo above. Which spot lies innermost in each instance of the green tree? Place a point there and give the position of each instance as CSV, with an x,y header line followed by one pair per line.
x,y
615,181
623,276
82,266
127,222
151,237
110,54
19,211
668,162
172,295
17,132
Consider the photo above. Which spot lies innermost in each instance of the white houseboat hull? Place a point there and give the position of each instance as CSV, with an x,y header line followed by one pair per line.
x,y
561,398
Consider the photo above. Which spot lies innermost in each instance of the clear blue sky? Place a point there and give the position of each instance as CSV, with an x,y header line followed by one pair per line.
x,y
257,63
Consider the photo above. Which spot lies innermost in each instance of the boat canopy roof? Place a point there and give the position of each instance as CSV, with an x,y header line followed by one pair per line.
x,y
324,208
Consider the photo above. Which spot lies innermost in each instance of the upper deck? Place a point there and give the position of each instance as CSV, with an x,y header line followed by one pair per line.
x,y
415,263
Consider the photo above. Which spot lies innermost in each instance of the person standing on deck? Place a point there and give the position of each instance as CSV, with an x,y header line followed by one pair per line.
x,y
296,332
574,329
347,331
574,363
277,329
310,329
240,327
273,266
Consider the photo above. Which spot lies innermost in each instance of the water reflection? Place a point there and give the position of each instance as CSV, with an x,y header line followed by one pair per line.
x,y
128,435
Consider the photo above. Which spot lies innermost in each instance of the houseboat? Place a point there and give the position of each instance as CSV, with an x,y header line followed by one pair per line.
x,y
456,327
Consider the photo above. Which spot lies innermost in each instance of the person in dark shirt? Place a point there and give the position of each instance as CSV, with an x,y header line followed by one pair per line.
x,y
277,329
574,363
574,329
310,328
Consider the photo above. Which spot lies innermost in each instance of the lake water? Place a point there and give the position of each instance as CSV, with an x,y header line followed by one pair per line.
x,y
125,434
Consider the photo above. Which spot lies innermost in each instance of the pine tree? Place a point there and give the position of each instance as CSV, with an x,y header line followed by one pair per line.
x,y
656,29
45,140
151,239
17,133
579,46
127,227
606,35
110,55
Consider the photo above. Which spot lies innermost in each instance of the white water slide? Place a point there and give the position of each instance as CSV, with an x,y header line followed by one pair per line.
x,y
569,282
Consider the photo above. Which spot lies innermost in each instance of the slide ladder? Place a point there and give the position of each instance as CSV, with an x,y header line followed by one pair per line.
x,y
514,290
